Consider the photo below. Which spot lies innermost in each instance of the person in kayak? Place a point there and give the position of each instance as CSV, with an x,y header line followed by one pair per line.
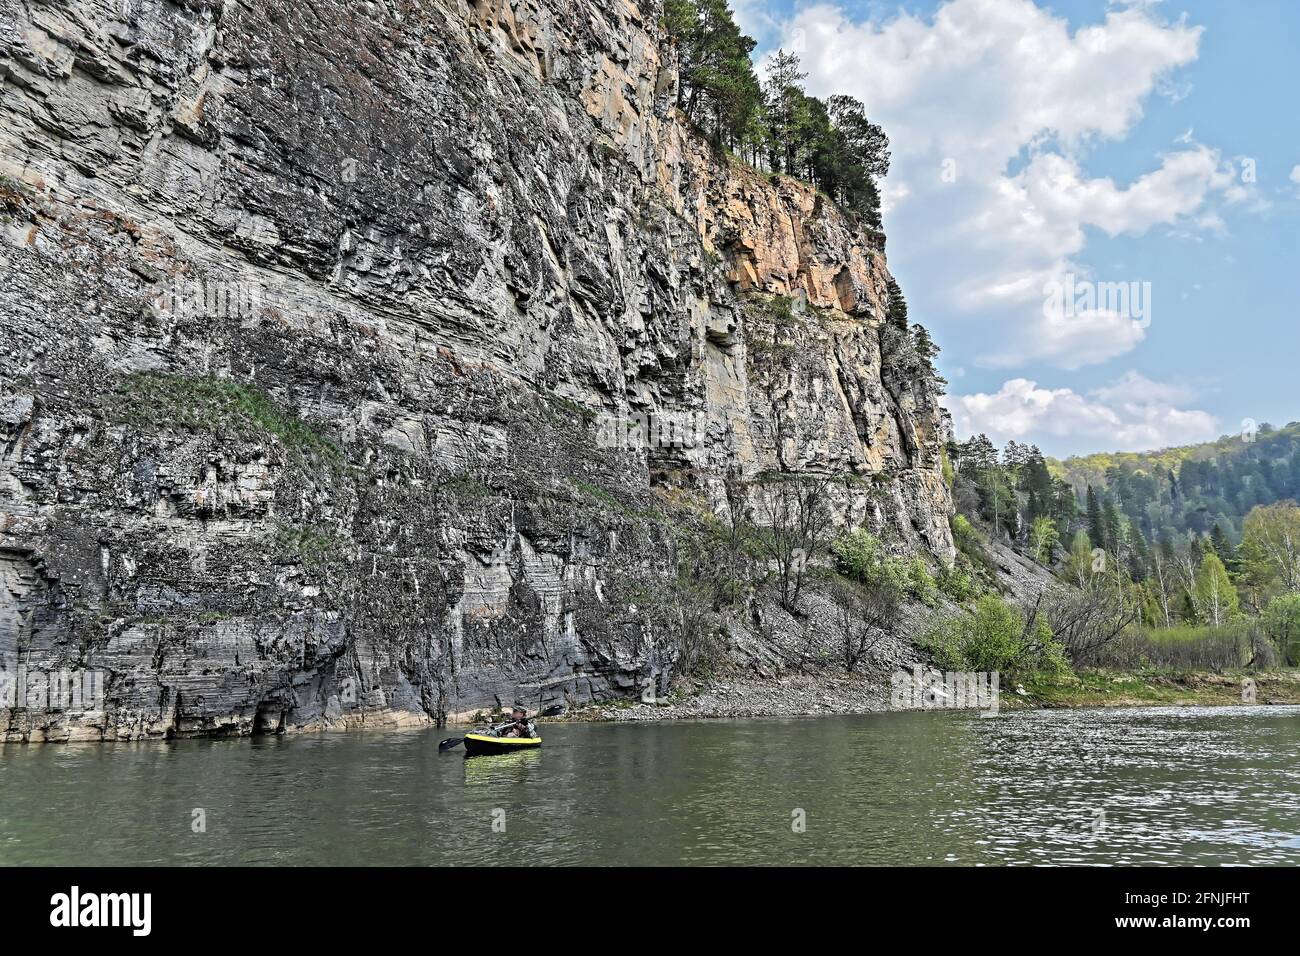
x,y
520,725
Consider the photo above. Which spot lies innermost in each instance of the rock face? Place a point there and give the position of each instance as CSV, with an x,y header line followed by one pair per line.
x,y
320,329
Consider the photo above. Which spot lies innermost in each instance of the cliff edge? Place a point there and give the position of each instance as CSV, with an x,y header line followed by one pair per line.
x,y
321,330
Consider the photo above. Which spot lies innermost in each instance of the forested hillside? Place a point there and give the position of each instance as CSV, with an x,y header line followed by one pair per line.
x,y
1194,488
1201,542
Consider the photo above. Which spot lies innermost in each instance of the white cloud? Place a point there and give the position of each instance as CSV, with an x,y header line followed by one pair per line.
x,y
1055,186
1295,175
1071,342
1011,99
754,20
1133,413
985,78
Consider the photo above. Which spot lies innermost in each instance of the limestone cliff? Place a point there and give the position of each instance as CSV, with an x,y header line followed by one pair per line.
x,y
314,319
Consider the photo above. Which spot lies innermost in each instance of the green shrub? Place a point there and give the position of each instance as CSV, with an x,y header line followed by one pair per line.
x,y
970,542
1281,622
857,554
921,584
860,557
949,476
1051,653
994,637
956,582
963,532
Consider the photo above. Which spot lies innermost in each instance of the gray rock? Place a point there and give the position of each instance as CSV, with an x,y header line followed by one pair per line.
x,y
313,323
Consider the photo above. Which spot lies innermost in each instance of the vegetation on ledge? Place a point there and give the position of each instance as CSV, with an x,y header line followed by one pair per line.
x,y
217,405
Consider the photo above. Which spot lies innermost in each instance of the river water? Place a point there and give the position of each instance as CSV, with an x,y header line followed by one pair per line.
x,y
1159,786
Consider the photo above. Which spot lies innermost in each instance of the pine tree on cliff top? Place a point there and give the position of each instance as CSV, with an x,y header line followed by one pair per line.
x,y
719,91
786,109
859,155
830,144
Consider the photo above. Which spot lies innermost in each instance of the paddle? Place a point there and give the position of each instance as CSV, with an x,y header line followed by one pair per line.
x,y
451,743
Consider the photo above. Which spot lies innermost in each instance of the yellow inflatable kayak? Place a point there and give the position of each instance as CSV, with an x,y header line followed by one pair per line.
x,y
478,745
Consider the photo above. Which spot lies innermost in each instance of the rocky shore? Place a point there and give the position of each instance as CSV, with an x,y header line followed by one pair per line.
x,y
789,697
825,695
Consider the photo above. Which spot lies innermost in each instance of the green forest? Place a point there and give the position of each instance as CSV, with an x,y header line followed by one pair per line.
x,y
1199,546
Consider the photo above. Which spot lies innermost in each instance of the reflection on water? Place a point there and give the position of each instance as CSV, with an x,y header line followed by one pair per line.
x,y
1171,786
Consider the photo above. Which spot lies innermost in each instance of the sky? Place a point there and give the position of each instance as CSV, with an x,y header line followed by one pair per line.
x,y
1094,206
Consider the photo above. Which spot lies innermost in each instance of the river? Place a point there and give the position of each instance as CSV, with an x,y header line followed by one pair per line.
x,y
1124,787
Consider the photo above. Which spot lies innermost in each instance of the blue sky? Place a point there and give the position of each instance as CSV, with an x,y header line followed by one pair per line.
x,y
1091,143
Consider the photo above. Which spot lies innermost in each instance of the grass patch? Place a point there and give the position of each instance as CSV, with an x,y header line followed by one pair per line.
x,y
572,407
608,500
600,494
1151,687
220,406
310,544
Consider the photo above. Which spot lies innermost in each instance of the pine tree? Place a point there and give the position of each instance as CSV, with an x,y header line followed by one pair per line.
x,y
719,91
926,350
852,158
1140,555
1219,541
1096,524
785,109
1112,528
830,144
1036,481
897,311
